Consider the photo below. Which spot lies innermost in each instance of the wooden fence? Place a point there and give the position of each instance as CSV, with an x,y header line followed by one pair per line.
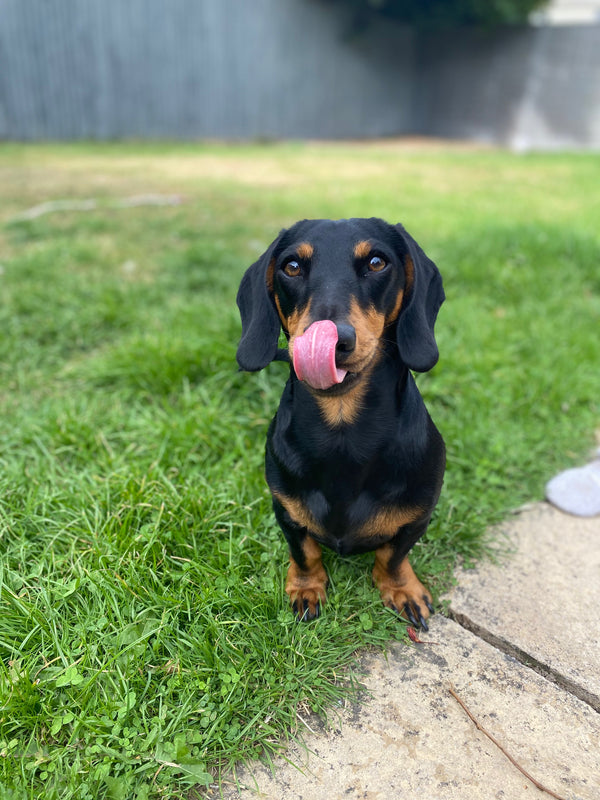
x,y
248,69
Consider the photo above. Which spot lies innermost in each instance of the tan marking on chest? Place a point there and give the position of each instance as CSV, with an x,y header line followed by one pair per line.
x,y
388,521
343,410
299,513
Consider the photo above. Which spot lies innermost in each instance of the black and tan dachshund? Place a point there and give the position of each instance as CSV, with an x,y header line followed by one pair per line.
x,y
353,459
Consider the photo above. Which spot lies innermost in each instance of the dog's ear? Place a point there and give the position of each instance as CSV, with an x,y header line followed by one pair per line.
x,y
260,322
424,296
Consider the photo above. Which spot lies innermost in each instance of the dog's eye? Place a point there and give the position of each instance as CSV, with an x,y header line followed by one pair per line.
x,y
292,269
376,264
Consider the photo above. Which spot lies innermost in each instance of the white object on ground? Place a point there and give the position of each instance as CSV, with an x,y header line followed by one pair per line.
x,y
577,491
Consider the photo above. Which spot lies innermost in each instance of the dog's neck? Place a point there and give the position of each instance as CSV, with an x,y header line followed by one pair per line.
x,y
340,410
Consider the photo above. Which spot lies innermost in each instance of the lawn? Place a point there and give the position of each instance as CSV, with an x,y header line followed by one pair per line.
x,y
145,638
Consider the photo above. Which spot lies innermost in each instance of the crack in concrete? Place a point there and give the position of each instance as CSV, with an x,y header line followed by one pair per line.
x,y
526,659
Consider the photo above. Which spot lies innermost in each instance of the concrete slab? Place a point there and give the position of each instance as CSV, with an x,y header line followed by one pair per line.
x,y
411,739
541,602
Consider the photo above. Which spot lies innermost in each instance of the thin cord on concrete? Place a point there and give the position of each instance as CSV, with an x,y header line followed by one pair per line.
x,y
480,727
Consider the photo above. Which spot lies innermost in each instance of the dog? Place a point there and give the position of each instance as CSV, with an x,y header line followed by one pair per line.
x,y
353,459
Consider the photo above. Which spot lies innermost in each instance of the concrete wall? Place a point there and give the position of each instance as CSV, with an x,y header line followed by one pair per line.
x,y
235,69
198,68
531,87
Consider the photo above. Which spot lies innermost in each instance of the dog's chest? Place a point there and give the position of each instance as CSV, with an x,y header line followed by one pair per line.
x,y
351,506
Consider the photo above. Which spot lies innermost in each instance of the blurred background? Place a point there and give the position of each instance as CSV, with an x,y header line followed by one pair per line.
x,y
150,150
519,73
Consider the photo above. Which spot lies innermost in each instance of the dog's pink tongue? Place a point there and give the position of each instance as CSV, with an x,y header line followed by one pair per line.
x,y
314,355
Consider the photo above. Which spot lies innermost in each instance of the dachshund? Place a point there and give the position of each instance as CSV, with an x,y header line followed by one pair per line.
x,y
353,459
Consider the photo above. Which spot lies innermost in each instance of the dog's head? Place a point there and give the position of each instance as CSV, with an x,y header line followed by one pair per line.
x,y
368,277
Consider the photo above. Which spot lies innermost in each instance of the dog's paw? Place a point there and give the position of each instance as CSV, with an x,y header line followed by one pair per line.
x,y
307,606
307,591
404,593
415,610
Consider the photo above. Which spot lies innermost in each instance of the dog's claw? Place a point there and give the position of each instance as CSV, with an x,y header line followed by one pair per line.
x,y
304,614
409,613
430,607
415,617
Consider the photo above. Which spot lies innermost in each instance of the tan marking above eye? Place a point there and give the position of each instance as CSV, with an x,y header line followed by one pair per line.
x,y
362,249
305,250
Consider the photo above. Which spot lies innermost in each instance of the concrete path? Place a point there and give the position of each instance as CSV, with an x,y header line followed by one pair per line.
x,y
521,649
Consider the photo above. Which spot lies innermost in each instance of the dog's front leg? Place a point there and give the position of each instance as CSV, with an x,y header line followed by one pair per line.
x,y
398,585
306,584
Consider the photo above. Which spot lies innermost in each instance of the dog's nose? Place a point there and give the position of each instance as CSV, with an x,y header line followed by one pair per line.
x,y
346,339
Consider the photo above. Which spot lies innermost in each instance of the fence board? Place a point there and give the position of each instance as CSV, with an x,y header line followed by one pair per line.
x,y
235,69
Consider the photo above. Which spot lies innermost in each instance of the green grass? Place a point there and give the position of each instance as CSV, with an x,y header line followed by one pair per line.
x,y
146,644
